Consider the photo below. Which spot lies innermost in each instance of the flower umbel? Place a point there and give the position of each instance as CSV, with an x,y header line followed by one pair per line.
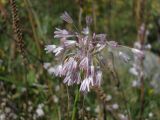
x,y
79,55
77,65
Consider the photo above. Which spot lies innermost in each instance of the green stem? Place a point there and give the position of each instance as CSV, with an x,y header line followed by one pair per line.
x,y
75,104
68,107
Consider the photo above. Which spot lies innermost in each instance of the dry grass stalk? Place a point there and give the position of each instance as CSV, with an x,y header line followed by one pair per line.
x,y
17,31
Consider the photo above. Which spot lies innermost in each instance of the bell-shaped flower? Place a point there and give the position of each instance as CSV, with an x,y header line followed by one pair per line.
x,y
66,17
50,48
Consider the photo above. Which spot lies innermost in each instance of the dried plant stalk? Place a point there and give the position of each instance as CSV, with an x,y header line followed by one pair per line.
x,y
141,37
19,42
17,31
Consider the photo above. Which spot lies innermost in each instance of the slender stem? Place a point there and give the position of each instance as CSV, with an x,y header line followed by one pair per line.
x,y
142,40
142,100
68,107
75,104
80,17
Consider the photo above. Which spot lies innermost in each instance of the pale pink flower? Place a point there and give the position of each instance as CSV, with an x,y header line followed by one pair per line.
x,y
80,55
69,43
69,66
68,79
62,33
85,31
72,78
90,79
85,85
58,70
84,64
78,80
58,50
50,48
137,52
100,47
92,71
66,17
84,41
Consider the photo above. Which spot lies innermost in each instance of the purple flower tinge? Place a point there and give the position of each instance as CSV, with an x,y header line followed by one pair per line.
x,y
79,55
66,17
85,85
138,53
69,66
57,70
62,33
89,20
50,48
69,43
85,31
84,64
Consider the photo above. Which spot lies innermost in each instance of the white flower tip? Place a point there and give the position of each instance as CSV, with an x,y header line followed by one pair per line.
x,y
85,31
66,17
138,52
50,48
85,85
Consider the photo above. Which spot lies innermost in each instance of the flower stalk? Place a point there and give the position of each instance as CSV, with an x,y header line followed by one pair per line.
x,y
75,104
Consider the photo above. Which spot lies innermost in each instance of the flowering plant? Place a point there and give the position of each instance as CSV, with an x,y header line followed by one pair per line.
x,y
80,56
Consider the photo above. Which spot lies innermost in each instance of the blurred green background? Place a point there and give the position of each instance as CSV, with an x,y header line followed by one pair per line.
x,y
28,92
